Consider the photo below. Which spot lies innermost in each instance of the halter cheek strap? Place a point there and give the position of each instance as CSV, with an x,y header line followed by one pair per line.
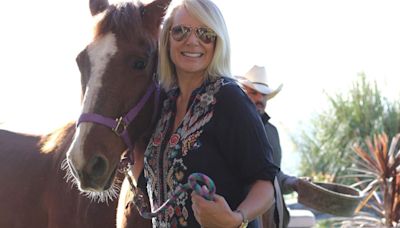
x,y
120,125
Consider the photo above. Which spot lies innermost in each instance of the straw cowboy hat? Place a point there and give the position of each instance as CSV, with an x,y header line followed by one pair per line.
x,y
257,79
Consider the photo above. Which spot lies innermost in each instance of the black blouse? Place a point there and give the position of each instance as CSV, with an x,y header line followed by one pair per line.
x,y
221,136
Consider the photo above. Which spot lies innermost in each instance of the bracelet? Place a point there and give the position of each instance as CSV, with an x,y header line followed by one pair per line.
x,y
245,221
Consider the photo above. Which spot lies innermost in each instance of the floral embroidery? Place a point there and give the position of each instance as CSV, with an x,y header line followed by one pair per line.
x,y
179,175
174,140
157,140
206,99
178,211
190,143
170,211
164,157
182,221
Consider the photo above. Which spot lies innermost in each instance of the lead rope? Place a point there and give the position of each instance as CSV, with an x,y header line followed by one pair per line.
x,y
207,191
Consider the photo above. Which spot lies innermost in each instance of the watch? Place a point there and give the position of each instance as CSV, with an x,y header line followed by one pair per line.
x,y
245,221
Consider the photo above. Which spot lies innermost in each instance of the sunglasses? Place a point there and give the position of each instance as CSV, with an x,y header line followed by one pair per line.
x,y
182,32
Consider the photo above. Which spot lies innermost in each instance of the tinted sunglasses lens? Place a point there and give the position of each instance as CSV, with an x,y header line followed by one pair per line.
x,y
206,35
179,32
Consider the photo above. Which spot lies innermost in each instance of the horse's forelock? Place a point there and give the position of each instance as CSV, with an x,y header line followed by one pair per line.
x,y
123,19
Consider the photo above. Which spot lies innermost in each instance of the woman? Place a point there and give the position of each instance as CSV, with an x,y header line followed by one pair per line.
x,y
207,125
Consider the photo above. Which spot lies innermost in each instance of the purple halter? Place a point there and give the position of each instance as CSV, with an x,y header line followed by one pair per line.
x,y
120,125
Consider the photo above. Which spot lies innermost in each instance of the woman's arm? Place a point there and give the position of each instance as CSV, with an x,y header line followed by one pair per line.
x,y
217,213
259,199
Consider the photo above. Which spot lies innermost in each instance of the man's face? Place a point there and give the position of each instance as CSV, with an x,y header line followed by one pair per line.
x,y
259,99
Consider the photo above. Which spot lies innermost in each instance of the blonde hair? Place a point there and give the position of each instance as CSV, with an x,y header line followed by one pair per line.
x,y
208,14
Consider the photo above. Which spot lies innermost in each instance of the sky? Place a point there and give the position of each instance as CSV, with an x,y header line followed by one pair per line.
x,y
310,46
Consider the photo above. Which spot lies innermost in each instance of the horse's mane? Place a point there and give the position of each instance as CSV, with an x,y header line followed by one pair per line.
x,y
123,19
57,139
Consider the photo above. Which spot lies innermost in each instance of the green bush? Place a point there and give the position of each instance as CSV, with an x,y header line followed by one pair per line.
x,y
326,148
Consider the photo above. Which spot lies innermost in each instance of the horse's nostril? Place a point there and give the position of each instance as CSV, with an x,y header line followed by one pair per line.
x,y
97,166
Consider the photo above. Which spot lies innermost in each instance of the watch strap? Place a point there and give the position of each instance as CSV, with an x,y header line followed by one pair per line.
x,y
245,221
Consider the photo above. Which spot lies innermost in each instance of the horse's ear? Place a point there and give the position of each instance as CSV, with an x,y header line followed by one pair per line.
x,y
97,6
153,13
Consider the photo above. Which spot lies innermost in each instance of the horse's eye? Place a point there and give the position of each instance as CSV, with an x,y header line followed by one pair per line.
x,y
138,64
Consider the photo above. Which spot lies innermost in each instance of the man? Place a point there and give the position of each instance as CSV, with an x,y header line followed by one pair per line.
x,y
255,84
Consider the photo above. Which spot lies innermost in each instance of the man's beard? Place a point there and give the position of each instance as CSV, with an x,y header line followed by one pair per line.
x,y
260,107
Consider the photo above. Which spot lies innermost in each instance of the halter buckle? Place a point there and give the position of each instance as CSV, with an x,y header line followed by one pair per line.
x,y
120,127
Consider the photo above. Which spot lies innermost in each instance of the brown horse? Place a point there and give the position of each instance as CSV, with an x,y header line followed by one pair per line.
x,y
117,71
34,192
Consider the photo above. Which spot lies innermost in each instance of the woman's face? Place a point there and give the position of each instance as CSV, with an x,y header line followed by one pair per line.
x,y
191,54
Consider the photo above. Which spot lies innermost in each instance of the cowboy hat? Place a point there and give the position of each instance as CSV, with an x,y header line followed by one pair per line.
x,y
256,78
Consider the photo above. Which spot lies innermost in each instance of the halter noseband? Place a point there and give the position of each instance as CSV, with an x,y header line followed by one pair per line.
x,y
120,125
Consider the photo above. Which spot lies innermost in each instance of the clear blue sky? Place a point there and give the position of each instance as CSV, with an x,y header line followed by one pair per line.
x,y
308,45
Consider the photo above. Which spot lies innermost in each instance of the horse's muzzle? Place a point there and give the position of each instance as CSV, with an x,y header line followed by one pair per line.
x,y
95,175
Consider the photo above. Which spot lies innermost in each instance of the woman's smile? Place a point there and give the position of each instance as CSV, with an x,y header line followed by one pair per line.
x,y
192,54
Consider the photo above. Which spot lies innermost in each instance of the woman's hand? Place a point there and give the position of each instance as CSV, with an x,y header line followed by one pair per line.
x,y
216,213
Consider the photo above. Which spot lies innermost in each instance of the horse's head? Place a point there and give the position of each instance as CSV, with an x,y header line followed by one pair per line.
x,y
117,76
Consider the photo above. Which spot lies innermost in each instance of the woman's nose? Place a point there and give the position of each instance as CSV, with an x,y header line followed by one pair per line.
x,y
192,38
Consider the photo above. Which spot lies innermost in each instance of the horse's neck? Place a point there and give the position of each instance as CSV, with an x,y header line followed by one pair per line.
x,y
156,116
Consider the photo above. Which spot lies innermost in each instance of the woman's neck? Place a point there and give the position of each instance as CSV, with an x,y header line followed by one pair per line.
x,y
188,83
